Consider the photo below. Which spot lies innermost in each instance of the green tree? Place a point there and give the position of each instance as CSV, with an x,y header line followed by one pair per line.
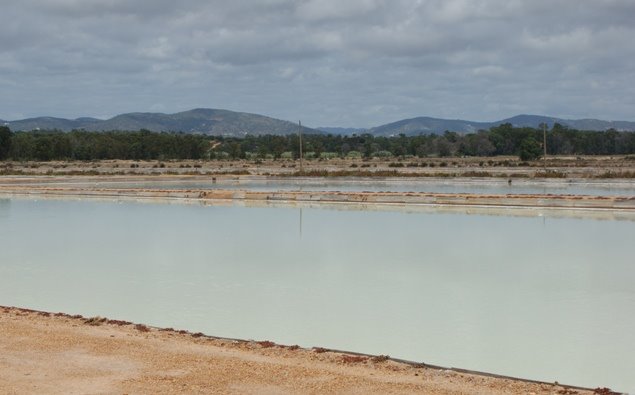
x,y
444,146
529,149
5,141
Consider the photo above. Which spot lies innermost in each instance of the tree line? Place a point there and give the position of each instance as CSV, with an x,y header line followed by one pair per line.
x,y
505,139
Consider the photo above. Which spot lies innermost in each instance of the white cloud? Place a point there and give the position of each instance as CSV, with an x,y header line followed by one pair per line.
x,y
358,62
319,10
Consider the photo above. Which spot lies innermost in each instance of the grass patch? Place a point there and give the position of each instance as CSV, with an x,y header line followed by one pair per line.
x,y
551,174
616,174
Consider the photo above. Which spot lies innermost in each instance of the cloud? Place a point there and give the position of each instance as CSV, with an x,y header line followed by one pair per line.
x,y
333,10
349,63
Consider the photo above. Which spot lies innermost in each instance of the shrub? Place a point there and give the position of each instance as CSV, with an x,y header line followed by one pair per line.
x,y
329,155
142,328
354,155
383,154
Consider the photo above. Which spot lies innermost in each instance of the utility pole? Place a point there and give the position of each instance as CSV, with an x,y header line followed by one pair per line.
x,y
300,133
544,145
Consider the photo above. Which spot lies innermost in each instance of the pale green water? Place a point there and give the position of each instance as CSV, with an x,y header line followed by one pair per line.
x,y
541,298
482,186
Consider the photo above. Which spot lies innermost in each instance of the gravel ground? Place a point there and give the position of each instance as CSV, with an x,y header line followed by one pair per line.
x,y
44,353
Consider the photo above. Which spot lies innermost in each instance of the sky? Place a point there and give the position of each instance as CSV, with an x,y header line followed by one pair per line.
x,y
348,63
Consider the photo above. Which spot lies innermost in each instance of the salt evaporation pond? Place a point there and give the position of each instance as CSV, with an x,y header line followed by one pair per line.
x,y
536,297
432,185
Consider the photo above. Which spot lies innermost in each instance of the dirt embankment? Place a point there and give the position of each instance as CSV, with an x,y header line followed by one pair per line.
x,y
43,353
595,167
57,187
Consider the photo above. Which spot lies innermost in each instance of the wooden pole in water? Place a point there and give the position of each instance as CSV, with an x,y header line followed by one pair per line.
x,y
300,133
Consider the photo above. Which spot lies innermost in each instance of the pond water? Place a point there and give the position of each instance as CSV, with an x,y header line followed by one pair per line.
x,y
535,297
489,186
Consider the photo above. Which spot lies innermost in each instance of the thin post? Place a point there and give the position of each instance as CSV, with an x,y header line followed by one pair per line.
x,y
300,133
544,145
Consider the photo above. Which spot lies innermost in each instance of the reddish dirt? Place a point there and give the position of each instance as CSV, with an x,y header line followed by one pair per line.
x,y
44,353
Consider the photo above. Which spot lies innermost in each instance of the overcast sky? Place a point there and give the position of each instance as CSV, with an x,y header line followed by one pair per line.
x,y
353,63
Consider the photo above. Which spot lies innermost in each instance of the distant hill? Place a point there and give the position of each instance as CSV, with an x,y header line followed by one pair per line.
x,y
47,123
231,123
197,121
580,124
342,131
427,125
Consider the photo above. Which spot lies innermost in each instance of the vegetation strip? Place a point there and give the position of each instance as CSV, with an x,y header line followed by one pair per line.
x,y
505,139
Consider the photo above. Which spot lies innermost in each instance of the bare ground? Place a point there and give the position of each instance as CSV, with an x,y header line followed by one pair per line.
x,y
43,353
601,167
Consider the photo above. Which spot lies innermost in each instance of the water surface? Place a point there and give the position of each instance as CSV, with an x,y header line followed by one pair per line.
x,y
478,186
541,298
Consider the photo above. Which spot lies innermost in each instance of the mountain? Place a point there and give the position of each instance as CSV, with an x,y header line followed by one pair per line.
x,y
342,131
427,125
580,124
595,124
231,123
198,121
48,123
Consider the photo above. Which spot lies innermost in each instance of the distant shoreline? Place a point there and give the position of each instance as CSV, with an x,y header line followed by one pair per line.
x,y
74,186
561,168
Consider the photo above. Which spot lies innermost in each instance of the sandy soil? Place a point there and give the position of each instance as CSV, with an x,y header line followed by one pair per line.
x,y
43,353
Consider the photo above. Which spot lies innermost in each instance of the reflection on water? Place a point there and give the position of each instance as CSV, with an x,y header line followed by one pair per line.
x,y
538,297
4,207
